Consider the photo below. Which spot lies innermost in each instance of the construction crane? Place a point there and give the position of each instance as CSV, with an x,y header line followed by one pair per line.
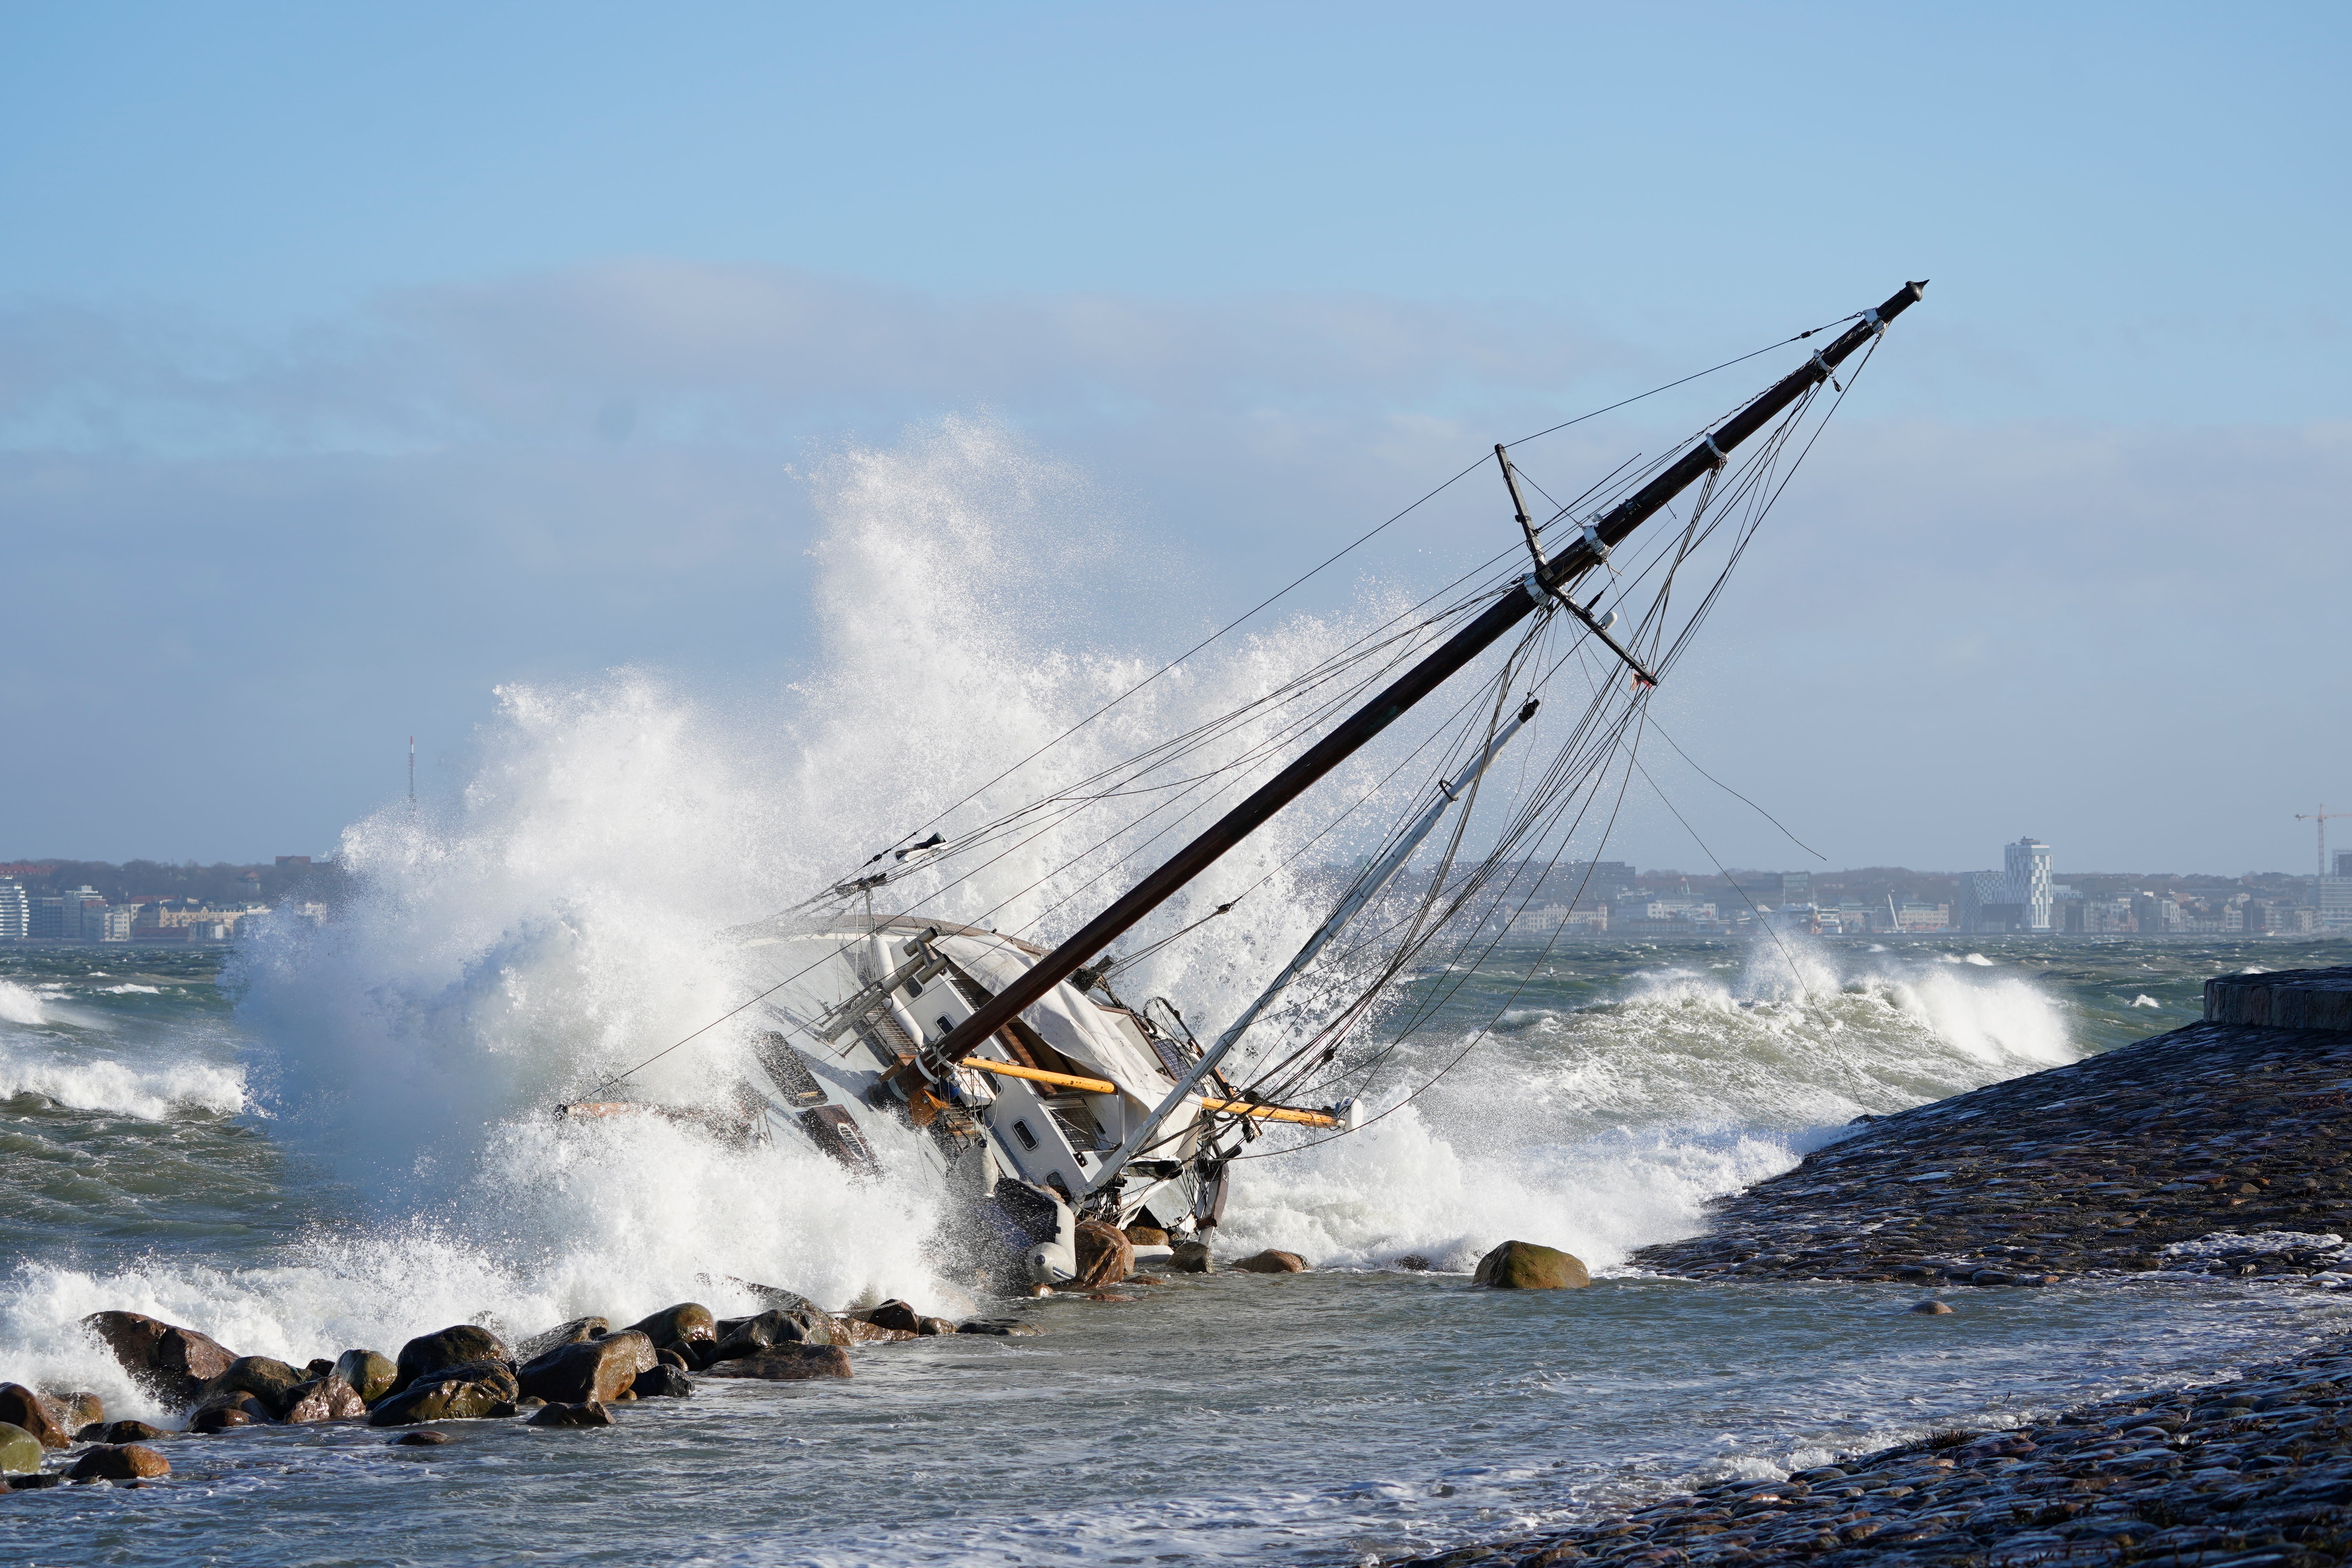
x,y
2321,817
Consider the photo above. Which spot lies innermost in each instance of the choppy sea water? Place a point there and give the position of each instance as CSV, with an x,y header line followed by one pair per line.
x,y
159,1157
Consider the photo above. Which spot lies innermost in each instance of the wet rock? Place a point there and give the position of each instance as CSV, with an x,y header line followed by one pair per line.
x,y
1930,1308
457,1345
570,1333
327,1398
215,1419
371,1374
170,1363
20,1452
1105,1255
806,1325
671,1358
929,1327
590,1414
1273,1260
273,1382
858,1331
1413,1263
469,1391
318,1366
75,1409
418,1440
999,1327
128,1462
588,1370
22,1409
786,1363
664,1382
121,1432
892,1315
1190,1257
1529,1266
688,1322
1146,1235
35,1482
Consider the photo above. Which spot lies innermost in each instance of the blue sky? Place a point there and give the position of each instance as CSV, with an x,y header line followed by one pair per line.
x,y
354,360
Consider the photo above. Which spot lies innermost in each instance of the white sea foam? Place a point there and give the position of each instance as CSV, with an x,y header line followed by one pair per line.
x,y
562,919
18,1006
1603,1129
74,1076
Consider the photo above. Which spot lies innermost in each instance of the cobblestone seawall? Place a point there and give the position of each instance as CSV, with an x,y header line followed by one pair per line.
x,y
2099,1167
2220,1149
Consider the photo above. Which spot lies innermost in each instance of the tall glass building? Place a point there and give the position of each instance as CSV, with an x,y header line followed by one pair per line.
x,y
2025,867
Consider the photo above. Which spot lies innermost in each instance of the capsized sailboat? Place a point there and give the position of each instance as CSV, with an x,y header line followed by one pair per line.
x,y
1058,1115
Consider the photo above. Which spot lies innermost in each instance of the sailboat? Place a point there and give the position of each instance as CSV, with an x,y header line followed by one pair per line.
x,y
1060,1118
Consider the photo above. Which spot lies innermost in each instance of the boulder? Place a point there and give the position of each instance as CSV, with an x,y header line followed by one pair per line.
x,y
170,1363
663,1382
803,1325
999,1327
687,1324
128,1462
121,1432
418,1440
318,1366
1930,1308
1272,1261
327,1398
570,1333
20,1452
453,1346
1146,1235
1525,1265
588,1414
271,1382
587,1371
472,1391
858,1331
1190,1257
786,1363
893,1314
93,1433
22,1409
930,1326
371,1374
214,1419
1105,1255
672,1358
76,1410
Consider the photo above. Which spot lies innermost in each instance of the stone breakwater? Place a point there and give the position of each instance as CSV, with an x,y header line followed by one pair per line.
x,y
2253,1473
2147,1157
2220,1149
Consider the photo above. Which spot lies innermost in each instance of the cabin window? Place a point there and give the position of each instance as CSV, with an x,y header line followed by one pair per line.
x,y
914,987
946,1025
1028,1139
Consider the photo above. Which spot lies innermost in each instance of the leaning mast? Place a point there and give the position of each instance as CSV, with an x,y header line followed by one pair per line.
x,y
1549,579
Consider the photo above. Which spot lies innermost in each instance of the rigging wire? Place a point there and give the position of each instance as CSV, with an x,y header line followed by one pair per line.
x,y
1707,603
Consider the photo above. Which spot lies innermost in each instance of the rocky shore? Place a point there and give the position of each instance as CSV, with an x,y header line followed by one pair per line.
x,y
2121,1163
572,1375
2251,1473
2219,1149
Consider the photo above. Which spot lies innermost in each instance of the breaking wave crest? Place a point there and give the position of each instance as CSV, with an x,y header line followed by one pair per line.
x,y
565,917
18,1006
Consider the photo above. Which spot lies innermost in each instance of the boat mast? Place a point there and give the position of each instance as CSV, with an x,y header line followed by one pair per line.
x,y
1366,890
1587,551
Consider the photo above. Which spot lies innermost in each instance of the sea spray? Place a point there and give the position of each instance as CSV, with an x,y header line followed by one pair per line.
x,y
567,915
1607,1127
